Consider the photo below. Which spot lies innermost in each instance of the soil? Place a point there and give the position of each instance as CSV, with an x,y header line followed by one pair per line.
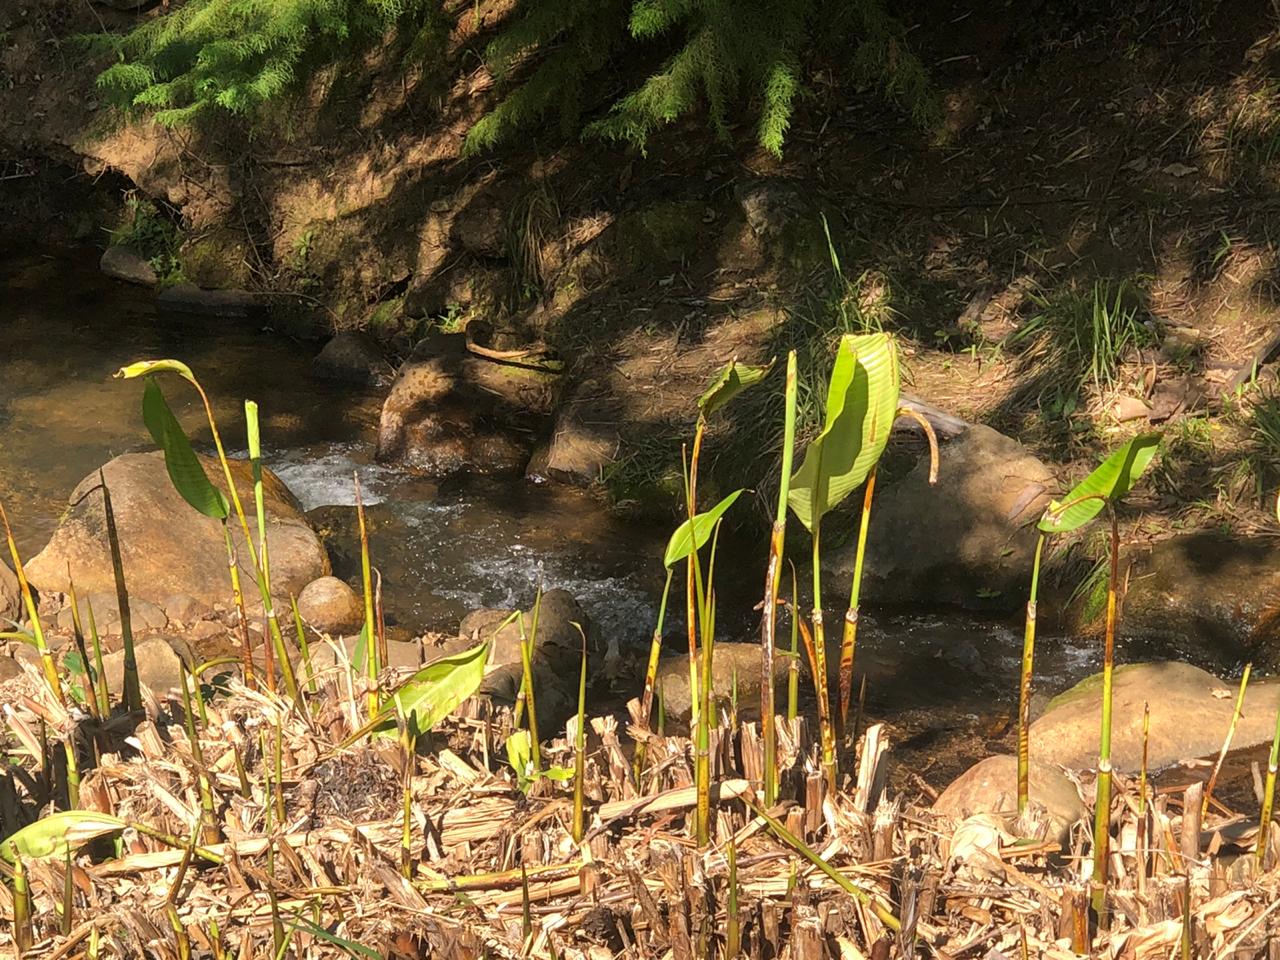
x,y
1081,144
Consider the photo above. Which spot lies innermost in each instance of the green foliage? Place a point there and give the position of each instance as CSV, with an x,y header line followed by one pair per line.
x,y
693,534
185,471
154,235
1108,483
239,55
862,402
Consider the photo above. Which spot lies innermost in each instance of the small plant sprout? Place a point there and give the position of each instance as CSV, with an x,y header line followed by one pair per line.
x,y
1103,488
862,404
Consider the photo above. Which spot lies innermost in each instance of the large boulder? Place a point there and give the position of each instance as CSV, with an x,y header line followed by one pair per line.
x,y
449,411
735,671
968,540
1190,713
167,547
991,786
1208,594
10,601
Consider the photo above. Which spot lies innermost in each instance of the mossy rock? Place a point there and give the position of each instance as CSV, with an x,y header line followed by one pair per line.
x,y
660,234
216,261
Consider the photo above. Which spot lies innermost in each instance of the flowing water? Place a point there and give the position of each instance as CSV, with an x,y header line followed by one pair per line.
x,y
945,682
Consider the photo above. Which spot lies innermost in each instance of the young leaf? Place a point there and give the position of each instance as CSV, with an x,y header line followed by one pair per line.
x,y
143,367
433,692
682,543
1113,478
731,381
59,834
862,402
185,472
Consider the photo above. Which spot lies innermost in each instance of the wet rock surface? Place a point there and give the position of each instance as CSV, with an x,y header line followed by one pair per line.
x,y
128,264
352,357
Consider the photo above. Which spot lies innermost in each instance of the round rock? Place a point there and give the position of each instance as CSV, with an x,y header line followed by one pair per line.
x,y
329,605
991,786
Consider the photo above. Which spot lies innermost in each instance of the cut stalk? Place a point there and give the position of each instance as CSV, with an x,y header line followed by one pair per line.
x,y
849,639
733,922
370,643
793,666
77,632
209,832
1024,686
580,749
526,666
651,678
818,655
773,576
1142,810
22,933
68,896
237,594
702,740
1268,797
1102,805
1226,744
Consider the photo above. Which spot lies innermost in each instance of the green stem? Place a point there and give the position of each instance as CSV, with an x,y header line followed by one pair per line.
x,y
1024,686
1268,797
366,580
773,577
1102,804
849,640
820,666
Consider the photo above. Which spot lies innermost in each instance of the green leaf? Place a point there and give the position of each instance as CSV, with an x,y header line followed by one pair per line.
x,y
185,472
59,834
520,756
682,543
731,381
435,691
862,403
1108,483
320,933
144,367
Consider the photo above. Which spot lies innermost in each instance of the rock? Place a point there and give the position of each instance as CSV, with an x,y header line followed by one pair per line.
x,y
585,440
991,786
401,654
968,540
441,417
167,547
769,206
1208,594
329,605
188,298
184,609
159,660
481,229
203,631
731,663
1190,713
143,615
9,668
127,263
10,596
352,357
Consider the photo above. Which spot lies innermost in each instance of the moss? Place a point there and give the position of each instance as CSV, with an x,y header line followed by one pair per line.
x,y
1085,688
216,261
661,234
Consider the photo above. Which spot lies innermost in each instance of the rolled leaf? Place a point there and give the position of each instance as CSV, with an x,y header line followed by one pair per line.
x,y
862,402
59,834
731,381
143,367
185,472
1112,479
692,535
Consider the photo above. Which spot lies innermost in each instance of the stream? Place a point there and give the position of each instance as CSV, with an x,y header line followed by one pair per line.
x,y
945,682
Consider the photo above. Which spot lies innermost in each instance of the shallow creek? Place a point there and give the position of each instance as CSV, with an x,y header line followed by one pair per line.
x,y
946,683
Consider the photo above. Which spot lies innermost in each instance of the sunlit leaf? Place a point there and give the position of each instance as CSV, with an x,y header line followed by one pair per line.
x,y
437,689
143,367
693,534
1112,479
862,402
185,471
320,933
59,834
731,381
